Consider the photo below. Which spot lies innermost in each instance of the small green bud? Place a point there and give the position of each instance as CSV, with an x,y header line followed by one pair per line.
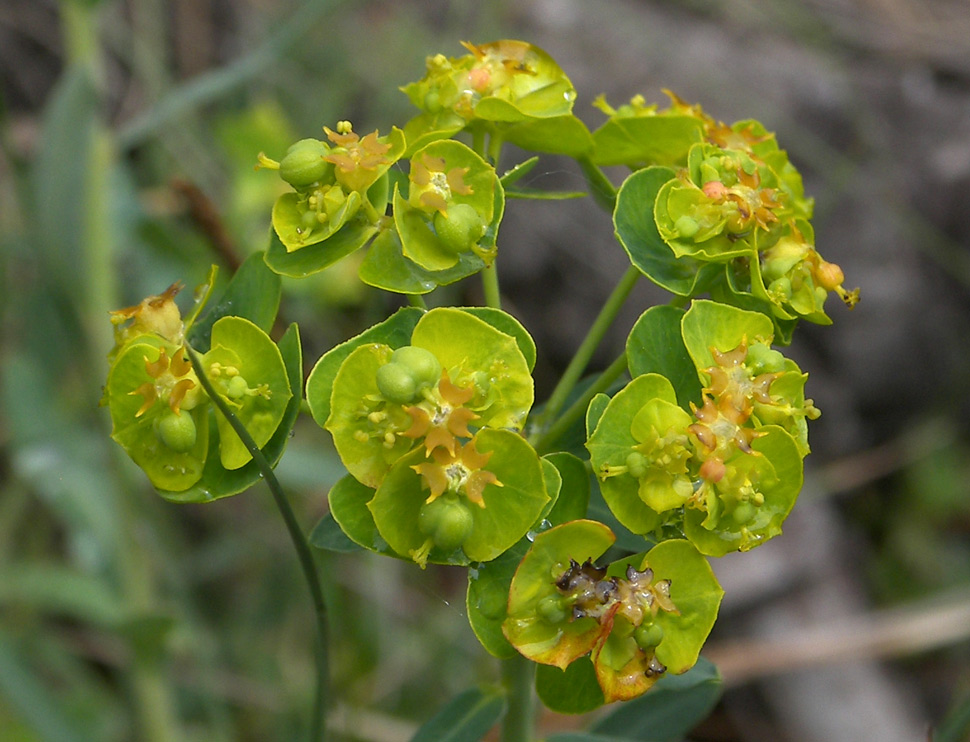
x,y
422,364
460,228
744,513
176,430
686,227
552,609
648,636
762,359
636,464
781,288
447,521
237,388
304,163
396,383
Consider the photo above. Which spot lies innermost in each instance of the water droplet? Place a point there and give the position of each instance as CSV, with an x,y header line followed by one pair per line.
x,y
545,525
473,573
531,535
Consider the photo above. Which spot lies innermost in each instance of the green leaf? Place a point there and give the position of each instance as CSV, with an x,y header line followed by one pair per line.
x,y
487,598
478,355
537,194
509,511
465,718
656,345
395,332
612,442
218,482
553,642
570,691
348,500
710,324
559,135
240,344
328,535
61,591
595,411
314,258
573,500
636,229
385,267
253,294
519,171
504,322
674,706
637,141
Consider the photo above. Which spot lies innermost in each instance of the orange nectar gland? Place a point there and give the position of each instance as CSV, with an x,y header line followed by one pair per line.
x,y
438,186
459,473
174,383
158,315
442,418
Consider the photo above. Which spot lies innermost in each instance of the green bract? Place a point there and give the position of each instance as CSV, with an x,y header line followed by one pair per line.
x,y
246,368
453,196
502,81
340,189
469,506
637,619
639,449
483,380
149,384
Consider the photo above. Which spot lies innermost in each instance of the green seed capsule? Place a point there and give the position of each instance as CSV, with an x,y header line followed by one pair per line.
x,y
551,609
422,364
648,635
460,228
176,431
304,163
447,521
396,383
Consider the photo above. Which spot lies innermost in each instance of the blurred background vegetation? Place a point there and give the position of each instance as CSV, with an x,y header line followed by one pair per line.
x,y
128,136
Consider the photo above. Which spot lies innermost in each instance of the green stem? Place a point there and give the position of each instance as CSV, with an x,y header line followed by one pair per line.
x,y
517,678
593,338
493,297
318,721
578,408
601,187
416,300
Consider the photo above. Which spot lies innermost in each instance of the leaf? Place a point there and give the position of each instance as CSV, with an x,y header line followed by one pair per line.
x,y
218,482
573,499
559,135
465,718
348,500
327,535
253,294
636,229
486,600
313,258
570,691
674,706
385,267
656,345
519,171
709,324
504,322
61,591
395,332
636,141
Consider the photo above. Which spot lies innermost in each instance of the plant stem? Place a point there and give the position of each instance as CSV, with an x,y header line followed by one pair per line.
x,y
601,188
493,297
578,408
318,720
593,338
517,677
416,300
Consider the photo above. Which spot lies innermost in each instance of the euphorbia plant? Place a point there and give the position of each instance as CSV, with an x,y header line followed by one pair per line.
x,y
588,560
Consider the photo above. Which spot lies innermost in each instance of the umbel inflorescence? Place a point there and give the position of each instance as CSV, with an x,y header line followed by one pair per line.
x,y
698,454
